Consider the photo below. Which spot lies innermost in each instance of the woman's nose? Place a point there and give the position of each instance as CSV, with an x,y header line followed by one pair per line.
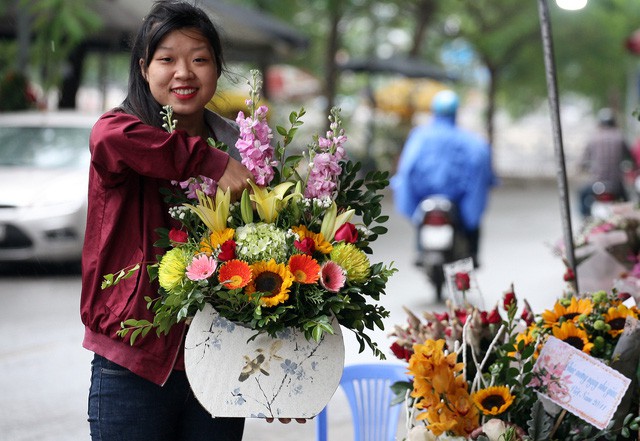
x,y
183,70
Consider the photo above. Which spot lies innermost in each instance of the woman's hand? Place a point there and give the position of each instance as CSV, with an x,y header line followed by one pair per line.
x,y
235,178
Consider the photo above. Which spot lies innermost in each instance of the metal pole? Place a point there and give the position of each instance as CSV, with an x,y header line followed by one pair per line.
x,y
554,107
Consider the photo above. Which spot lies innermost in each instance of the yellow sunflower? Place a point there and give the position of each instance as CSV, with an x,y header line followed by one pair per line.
x,y
271,279
493,400
616,318
569,333
321,244
215,239
571,312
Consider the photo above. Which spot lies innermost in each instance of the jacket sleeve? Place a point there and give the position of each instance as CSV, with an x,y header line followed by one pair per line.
x,y
121,144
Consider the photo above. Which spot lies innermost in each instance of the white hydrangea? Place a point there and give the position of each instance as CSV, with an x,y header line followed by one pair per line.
x,y
261,242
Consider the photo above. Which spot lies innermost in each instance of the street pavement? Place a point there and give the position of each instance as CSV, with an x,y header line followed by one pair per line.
x,y
44,371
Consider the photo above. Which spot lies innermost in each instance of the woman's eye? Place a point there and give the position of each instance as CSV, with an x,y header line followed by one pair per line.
x,y
200,60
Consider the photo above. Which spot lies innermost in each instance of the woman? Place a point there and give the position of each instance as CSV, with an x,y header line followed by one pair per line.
x,y
141,392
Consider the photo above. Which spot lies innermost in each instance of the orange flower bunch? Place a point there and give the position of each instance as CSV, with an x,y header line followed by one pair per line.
x,y
441,390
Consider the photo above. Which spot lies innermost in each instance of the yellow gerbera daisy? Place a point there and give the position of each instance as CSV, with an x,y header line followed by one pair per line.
x,y
570,313
493,400
271,279
321,244
234,274
569,333
616,318
305,269
215,239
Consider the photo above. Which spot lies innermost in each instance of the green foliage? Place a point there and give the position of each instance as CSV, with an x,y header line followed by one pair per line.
x,y
59,26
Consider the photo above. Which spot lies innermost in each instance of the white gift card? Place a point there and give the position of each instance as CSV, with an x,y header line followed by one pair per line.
x,y
578,382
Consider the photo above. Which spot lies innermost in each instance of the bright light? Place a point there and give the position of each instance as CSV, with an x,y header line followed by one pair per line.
x,y
572,5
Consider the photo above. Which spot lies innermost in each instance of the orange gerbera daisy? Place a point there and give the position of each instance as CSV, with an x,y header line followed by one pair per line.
x,y
215,239
568,332
234,274
305,269
271,279
570,312
321,244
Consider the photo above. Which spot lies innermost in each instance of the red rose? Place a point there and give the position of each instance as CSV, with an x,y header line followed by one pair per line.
x,y
442,317
494,316
178,236
306,245
461,315
569,275
227,251
401,352
347,232
462,281
509,300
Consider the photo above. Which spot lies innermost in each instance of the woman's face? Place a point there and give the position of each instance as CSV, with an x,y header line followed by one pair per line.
x,y
182,72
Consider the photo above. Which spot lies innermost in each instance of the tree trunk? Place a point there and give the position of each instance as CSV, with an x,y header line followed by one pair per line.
x,y
491,103
425,12
333,44
72,78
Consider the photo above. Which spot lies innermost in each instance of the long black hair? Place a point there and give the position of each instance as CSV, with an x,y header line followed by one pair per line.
x,y
164,17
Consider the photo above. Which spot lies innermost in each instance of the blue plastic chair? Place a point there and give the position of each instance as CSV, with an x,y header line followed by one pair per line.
x,y
368,390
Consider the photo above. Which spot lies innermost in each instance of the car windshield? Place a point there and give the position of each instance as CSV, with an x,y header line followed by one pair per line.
x,y
44,147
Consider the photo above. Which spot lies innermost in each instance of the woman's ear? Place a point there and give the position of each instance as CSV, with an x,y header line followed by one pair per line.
x,y
143,69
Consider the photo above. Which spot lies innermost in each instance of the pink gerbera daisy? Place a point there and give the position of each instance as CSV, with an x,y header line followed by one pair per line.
x,y
332,276
201,267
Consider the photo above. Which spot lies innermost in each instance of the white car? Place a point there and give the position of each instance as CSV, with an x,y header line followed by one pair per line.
x,y
44,166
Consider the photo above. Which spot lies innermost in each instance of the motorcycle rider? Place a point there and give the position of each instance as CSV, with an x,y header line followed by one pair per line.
x,y
442,158
604,159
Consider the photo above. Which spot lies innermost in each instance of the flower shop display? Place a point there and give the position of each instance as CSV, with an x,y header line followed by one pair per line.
x,y
510,374
287,263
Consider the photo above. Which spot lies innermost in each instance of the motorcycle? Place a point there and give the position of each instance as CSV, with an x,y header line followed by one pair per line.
x,y
440,238
603,200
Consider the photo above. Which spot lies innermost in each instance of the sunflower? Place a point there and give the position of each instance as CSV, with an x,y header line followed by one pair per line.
x,y
321,244
304,268
493,400
215,239
353,260
616,318
271,279
234,274
569,333
570,312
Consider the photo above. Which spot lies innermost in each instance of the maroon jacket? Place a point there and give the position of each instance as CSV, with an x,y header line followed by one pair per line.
x,y
130,162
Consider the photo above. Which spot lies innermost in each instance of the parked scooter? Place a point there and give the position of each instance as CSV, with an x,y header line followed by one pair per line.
x,y
440,238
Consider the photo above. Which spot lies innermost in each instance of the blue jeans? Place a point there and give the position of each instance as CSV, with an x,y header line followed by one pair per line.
x,y
126,407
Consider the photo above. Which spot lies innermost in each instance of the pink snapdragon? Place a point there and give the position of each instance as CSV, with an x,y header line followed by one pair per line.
x,y
324,167
203,183
255,146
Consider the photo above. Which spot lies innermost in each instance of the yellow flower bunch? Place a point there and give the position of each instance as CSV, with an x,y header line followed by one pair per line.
x,y
441,390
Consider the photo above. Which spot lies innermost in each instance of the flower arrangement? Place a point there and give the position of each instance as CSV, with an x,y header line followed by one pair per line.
x,y
463,389
290,253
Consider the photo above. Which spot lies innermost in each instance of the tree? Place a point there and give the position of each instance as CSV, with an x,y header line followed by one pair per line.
x,y
59,27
